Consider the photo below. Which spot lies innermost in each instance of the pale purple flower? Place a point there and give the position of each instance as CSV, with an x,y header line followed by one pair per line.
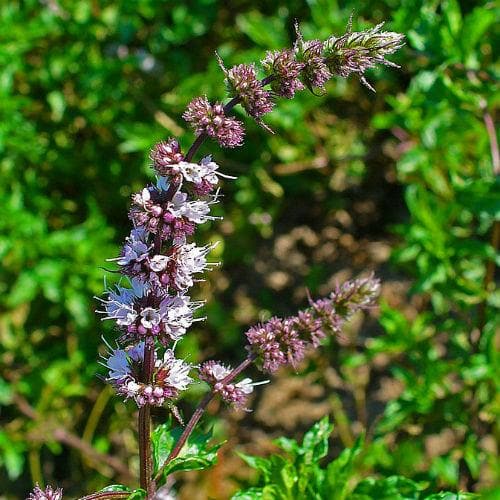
x,y
214,372
134,252
286,71
189,260
121,302
48,494
170,376
174,372
177,315
210,119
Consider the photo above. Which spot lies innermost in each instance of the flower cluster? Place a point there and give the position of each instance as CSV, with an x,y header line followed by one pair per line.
x,y
170,376
236,394
315,72
147,310
209,119
151,306
164,154
174,217
280,342
241,81
355,52
286,70
48,494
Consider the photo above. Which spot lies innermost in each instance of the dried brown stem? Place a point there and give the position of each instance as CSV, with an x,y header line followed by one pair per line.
x,y
65,437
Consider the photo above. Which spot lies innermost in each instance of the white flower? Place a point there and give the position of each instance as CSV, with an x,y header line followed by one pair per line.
x,y
178,371
150,317
218,371
131,390
191,172
190,259
177,314
158,263
196,211
142,199
246,385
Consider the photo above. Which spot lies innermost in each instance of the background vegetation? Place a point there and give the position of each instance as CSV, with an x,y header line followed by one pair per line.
x,y
404,182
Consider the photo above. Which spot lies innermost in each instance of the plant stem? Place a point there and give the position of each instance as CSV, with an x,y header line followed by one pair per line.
x,y
144,424
199,412
144,419
106,494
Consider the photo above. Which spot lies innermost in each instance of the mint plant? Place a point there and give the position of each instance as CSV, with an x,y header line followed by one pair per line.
x,y
151,306
297,472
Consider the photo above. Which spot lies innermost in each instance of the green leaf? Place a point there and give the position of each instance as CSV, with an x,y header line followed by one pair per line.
x,y
315,442
196,454
390,488
340,470
249,494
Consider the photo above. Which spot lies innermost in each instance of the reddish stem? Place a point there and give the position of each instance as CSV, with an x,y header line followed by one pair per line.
x,y
144,424
199,412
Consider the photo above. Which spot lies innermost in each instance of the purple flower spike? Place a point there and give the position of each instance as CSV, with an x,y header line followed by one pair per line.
x,y
284,341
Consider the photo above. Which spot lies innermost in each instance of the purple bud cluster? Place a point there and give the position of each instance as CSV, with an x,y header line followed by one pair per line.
x,y
315,72
310,63
209,119
164,154
286,70
281,342
241,81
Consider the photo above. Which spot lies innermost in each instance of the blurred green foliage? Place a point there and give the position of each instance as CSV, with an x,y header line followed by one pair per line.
x,y
88,86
